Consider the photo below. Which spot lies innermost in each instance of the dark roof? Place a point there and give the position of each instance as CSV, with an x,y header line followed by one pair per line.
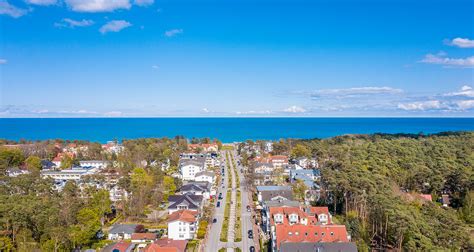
x,y
123,228
318,247
46,164
270,195
194,161
195,187
192,201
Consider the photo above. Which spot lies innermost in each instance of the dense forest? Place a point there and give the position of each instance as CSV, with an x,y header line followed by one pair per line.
x,y
373,183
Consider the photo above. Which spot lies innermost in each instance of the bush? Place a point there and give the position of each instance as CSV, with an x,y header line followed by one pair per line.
x,y
202,229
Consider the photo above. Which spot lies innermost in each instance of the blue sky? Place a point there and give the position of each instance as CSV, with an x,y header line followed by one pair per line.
x,y
94,58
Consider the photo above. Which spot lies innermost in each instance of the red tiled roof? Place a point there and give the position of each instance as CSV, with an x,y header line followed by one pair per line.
x,y
426,197
143,236
205,146
167,245
310,233
121,246
278,157
320,210
183,215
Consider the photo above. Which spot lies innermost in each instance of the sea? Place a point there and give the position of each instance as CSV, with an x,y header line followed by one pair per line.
x,y
225,129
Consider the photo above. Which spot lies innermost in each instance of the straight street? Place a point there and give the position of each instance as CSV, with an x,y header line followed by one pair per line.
x,y
213,243
247,220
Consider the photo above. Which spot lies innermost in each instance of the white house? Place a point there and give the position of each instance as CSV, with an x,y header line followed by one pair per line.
x,y
121,231
75,173
205,176
98,164
182,225
268,147
116,193
189,167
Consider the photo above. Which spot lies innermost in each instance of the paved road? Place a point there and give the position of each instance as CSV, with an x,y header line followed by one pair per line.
x,y
213,242
233,203
247,221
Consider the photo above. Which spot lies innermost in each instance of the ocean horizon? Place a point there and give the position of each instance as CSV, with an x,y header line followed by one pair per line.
x,y
226,129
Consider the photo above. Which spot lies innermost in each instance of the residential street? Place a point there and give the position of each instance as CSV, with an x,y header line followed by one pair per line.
x,y
213,242
247,221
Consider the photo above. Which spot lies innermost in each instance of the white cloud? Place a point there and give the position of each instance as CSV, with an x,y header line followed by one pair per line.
x,y
98,5
466,104
10,10
67,22
422,105
356,91
173,32
466,90
3,61
294,109
114,26
254,112
155,67
41,2
461,42
113,114
144,2
205,110
441,59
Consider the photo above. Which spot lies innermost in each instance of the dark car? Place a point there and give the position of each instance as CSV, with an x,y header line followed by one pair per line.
x,y
250,235
214,220
250,231
218,203
252,249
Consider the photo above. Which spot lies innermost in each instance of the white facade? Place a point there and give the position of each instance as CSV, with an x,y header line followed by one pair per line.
x,y
203,177
188,172
182,230
116,194
99,164
68,174
119,236
268,147
57,163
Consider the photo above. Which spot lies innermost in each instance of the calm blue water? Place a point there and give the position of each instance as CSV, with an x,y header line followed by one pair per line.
x,y
225,129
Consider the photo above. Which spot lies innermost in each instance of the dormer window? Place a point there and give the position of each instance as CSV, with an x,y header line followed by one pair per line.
x,y
332,233
296,233
322,233
290,233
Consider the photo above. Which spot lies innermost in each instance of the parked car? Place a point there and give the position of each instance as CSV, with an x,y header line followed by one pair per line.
x,y
220,196
250,231
218,203
248,208
214,220
252,249
251,236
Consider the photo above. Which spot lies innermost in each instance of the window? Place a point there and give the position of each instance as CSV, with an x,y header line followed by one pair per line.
x,y
332,233
315,233
322,233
